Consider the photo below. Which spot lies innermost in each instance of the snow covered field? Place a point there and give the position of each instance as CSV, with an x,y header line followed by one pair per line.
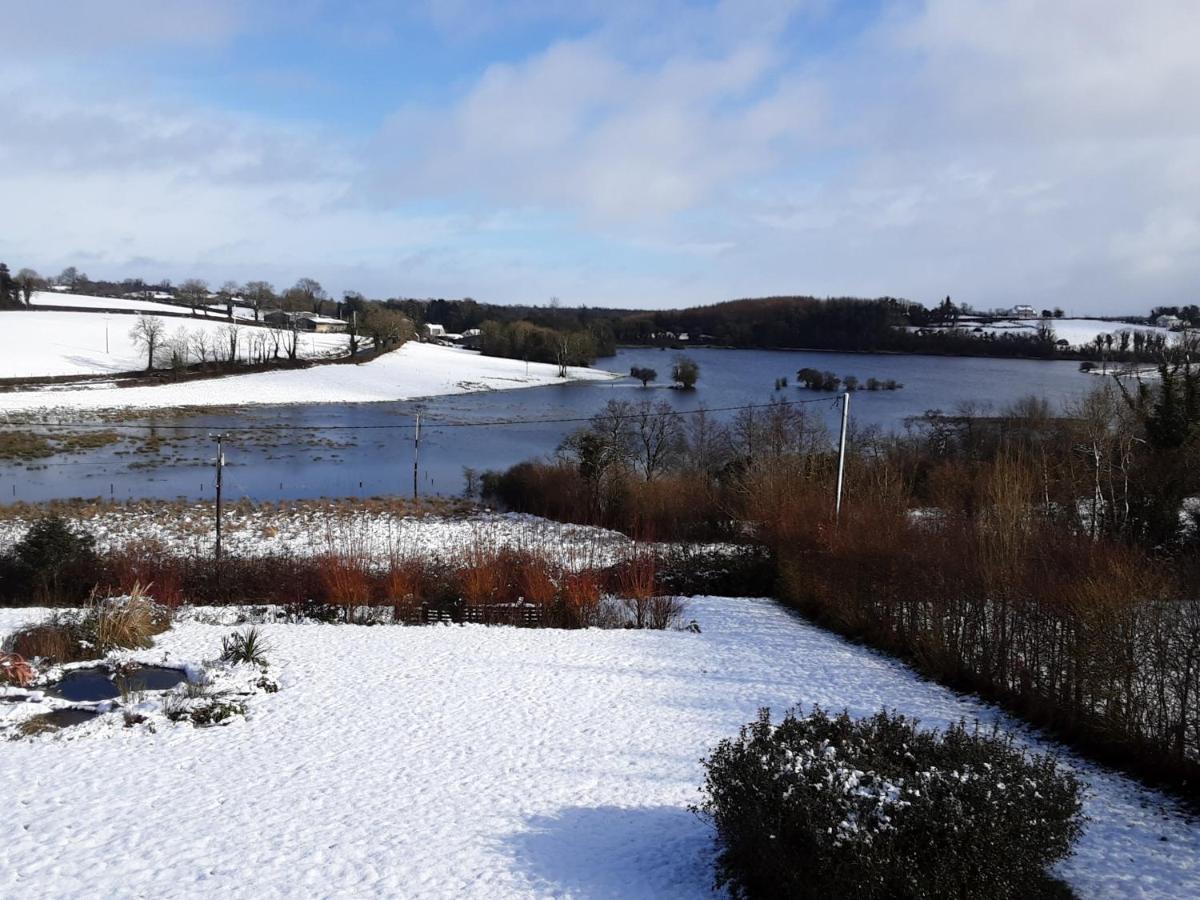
x,y
415,370
308,529
44,343
476,762
85,301
1076,332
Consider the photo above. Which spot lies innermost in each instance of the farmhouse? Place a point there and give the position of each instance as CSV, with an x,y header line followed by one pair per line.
x,y
302,321
1168,321
1023,311
433,332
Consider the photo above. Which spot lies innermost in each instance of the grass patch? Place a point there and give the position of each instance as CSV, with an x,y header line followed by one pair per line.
x,y
116,623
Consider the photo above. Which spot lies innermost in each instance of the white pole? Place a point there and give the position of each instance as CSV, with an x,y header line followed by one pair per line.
x,y
842,454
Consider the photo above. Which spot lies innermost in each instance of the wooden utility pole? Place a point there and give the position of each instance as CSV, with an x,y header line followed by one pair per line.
x,y
220,468
416,454
841,476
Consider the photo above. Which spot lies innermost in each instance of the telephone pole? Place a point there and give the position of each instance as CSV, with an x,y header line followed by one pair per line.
x,y
837,512
416,453
220,469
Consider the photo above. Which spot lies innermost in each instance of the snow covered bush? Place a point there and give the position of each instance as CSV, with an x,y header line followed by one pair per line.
x,y
828,806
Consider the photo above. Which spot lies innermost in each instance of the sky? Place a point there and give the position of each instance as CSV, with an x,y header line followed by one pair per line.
x,y
631,153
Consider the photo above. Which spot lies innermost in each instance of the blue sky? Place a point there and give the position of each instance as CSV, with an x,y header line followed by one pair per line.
x,y
653,153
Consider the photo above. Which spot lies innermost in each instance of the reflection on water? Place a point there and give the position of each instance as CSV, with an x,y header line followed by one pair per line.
x,y
266,462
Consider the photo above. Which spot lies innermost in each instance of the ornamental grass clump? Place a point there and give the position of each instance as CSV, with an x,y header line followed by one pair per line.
x,y
829,806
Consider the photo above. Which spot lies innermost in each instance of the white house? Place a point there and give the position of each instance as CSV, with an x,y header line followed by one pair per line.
x,y
1168,321
433,332
1023,311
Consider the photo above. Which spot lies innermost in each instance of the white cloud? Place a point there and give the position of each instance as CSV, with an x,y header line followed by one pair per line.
x,y
578,127
669,152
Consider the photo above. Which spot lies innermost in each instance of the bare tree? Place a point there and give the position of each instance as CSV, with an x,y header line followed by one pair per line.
x,y
258,294
388,327
29,281
228,293
148,334
232,334
291,339
308,291
194,292
657,437
179,348
201,345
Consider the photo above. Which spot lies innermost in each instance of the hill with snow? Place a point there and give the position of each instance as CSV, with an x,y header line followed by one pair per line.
x,y
415,370
42,343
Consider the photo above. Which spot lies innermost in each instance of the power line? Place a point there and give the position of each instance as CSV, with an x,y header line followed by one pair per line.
x,y
493,423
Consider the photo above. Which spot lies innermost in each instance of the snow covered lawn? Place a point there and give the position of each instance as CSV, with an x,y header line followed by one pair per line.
x,y
476,762
415,370
44,343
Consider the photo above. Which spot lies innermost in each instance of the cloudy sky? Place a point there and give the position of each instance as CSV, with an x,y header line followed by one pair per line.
x,y
615,152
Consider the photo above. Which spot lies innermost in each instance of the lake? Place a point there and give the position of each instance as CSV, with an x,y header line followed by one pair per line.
x,y
296,452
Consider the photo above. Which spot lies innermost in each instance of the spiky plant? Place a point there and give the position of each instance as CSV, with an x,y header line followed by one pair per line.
x,y
247,646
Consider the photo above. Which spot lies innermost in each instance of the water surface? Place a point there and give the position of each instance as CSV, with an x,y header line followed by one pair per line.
x,y
344,450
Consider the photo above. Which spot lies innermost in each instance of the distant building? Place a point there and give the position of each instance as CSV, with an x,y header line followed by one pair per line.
x,y
1023,311
303,321
433,332
1168,321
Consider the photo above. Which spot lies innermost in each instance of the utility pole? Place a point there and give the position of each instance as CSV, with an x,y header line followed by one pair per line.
x,y
220,468
842,455
416,453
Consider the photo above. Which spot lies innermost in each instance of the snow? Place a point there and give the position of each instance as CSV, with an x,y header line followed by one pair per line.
x,y
477,762
307,529
88,302
1077,332
45,343
415,370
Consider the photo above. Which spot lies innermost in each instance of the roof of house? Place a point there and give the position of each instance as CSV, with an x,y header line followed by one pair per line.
x,y
322,320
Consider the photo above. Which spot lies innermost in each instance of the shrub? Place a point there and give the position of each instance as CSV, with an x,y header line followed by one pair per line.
x,y
115,623
637,584
15,670
581,599
347,582
746,570
245,647
822,806
52,563
123,622
404,585
58,640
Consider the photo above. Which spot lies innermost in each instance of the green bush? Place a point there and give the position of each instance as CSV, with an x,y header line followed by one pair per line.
x,y
820,806
52,563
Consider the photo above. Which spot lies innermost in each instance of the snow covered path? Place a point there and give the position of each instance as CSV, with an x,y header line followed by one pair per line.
x,y
415,370
477,762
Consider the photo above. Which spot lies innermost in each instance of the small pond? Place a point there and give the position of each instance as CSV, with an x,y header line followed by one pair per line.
x,y
95,684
